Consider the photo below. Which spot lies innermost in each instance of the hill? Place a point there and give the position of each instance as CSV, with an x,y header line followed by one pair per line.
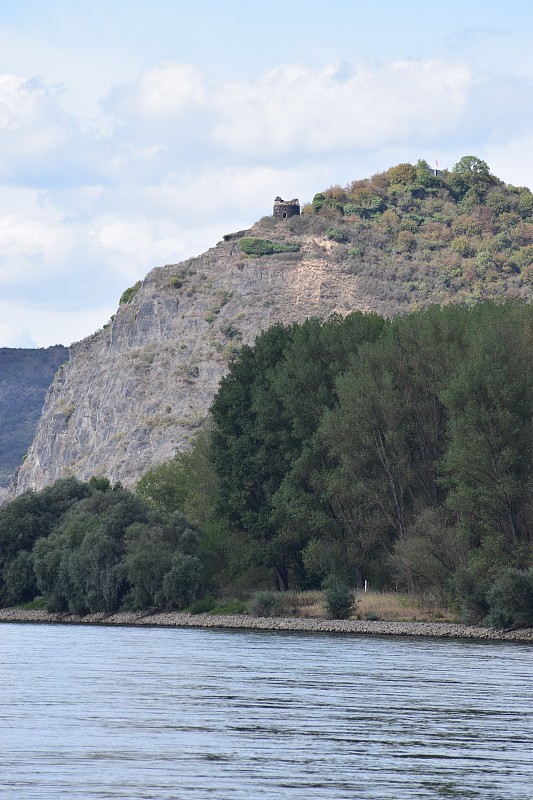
x,y
137,390
25,376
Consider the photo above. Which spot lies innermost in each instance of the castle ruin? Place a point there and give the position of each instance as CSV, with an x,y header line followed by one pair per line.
x,y
283,209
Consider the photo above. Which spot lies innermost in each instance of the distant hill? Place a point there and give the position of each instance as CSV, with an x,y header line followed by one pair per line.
x,y
25,376
137,390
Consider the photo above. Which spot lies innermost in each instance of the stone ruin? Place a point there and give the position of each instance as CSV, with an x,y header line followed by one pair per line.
x,y
283,209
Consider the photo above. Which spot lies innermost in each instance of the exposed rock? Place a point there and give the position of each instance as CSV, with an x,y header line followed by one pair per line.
x,y
179,619
135,392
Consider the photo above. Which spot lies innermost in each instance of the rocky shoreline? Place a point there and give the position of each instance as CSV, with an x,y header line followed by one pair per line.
x,y
175,619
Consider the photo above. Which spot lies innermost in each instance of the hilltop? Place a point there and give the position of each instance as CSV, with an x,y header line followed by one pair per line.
x,y
137,390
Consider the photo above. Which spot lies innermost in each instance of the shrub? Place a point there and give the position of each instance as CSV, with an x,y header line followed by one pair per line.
x,y
338,597
203,606
266,604
229,607
128,295
336,235
264,247
19,579
183,583
471,597
511,600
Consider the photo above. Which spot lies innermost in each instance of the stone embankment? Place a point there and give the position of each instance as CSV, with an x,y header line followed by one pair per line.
x,y
174,619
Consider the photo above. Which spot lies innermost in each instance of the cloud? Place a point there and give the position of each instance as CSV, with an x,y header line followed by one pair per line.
x,y
15,336
177,157
296,109
24,325
170,89
132,245
469,37
512,159
31,122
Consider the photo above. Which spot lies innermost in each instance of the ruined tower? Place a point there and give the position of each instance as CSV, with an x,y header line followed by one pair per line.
x,y
283,209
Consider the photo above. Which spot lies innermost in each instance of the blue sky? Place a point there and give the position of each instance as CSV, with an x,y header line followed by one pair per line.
x,y
135,133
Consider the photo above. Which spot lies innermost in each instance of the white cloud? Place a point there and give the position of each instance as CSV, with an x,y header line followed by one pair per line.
x,y
512,161
131,246
167,89
12,335
30,243
31,123
170,88
294,109
27,326
177,158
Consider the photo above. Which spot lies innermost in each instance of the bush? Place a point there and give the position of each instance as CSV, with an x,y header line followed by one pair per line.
x,y
20,585
338,598
128,295
266,604
511,600
203,606
264,247
335,235
183,583
471,597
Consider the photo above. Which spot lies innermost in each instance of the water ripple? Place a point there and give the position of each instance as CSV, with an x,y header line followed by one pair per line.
x,y
100,713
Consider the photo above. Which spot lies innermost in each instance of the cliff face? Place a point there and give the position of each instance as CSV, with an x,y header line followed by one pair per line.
x,y
136,391
133,393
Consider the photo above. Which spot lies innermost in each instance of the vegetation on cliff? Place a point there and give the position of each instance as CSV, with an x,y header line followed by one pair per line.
x,y
404,239
412,237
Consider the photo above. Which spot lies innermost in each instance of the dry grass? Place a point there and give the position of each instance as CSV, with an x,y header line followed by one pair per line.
x,y
305,604
386,606
396,607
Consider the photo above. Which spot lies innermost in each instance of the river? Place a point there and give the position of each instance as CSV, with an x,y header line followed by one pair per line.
x,y
193,714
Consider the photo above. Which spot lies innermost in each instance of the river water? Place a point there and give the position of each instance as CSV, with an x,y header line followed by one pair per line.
x,y
193,714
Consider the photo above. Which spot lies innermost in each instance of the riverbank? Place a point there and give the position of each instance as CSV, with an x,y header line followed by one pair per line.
x,y
175,619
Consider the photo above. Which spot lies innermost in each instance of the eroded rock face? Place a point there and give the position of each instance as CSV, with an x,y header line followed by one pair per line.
x,y
133,393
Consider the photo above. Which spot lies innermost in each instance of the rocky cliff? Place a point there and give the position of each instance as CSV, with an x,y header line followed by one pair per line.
x,y
134,392
137,390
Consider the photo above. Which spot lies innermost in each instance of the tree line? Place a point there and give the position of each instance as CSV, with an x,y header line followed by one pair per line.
x,y
398,452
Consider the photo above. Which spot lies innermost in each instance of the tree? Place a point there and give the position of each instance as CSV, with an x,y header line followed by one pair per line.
x,y
488,464
266,415
25,520
250,463
472,168
402,175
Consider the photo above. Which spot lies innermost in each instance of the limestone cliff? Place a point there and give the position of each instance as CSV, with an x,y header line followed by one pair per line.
x,y
133,393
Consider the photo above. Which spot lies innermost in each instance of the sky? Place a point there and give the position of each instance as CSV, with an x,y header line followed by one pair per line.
x,y
136,133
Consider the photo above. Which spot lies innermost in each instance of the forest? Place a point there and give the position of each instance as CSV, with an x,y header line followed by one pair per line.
x,y
397,452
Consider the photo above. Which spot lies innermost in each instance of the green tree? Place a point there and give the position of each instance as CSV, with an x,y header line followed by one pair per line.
x,y
488,464
28,518
473,168
250,465
274,485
